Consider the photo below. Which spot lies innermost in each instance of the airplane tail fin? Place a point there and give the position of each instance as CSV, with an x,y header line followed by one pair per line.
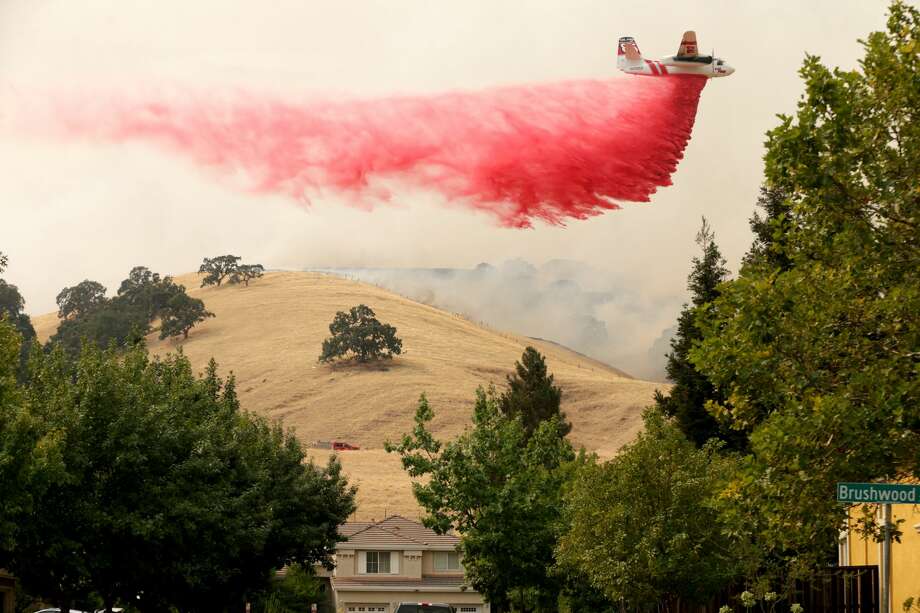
x,y
628,52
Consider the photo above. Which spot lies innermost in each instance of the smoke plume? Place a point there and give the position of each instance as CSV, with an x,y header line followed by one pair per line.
x,y
551,152
565,301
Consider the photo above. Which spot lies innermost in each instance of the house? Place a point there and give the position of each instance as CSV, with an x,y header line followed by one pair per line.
x,y
857,550
399,560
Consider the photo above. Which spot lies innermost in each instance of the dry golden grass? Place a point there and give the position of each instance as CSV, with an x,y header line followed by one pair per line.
x,y
269,335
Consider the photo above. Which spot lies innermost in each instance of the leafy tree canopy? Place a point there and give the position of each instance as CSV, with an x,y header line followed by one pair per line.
x,y
500,489
819,358
181,314
216,269
245,272
147,292
532,395
12,304
81,299
158,490
641,528
360,334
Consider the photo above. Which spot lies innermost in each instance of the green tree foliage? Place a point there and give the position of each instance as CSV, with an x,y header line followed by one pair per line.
x,y
501,490
147,292
686,401
166,493
770,230
820,359
294,592
81,299
359,334
181,314
12,305
216,269
29,451
641,528
124,320
245,272
531,394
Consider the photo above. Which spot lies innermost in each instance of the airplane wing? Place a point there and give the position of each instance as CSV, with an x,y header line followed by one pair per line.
x,y
688,46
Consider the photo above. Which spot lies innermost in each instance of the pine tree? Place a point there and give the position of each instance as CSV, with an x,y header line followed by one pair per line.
x,y
532,395
686,402
771,230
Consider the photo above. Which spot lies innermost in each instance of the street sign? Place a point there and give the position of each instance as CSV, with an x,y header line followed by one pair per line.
x,y
878,493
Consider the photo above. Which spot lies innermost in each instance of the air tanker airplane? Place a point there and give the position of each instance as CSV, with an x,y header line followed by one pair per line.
x,y
686,62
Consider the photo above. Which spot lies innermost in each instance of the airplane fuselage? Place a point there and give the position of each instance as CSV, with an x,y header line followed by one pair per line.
x,y
668,66
687,60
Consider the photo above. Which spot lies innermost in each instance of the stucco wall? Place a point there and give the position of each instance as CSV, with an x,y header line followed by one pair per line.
x,y
905,556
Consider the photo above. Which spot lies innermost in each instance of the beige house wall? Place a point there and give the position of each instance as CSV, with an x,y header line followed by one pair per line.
x,y
346,563
411,565
905,556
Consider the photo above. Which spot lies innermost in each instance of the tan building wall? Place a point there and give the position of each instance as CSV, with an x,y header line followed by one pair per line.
x,y
905,556
390,599
411,565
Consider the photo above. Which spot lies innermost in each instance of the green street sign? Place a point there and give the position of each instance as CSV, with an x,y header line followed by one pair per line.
x,y
879,493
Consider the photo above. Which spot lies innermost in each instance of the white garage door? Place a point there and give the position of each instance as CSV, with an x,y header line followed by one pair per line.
x,y
366,608
466,608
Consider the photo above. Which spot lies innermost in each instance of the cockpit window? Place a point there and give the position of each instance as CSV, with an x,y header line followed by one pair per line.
x,y
719,63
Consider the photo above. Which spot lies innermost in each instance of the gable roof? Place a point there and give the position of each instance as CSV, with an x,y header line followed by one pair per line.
x,y
394,532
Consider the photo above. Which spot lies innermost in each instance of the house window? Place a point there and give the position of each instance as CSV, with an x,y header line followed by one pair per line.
x,y
378,562
446,560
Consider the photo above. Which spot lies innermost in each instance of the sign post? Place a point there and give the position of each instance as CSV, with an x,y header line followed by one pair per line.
x,y
884,494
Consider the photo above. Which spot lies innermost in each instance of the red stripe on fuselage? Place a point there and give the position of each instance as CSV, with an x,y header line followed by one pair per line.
x,y
662,68
652,66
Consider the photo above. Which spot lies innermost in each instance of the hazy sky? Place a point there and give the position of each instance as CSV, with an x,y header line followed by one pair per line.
x,y
74,211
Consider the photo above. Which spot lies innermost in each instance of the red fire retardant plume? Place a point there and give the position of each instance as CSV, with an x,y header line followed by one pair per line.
x,y
550,152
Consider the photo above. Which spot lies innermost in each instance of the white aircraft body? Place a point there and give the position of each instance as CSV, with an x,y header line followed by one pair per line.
x,y
688,61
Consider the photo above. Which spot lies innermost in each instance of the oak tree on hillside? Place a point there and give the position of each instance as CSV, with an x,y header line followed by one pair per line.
x,y
217,269
245,272
181,314
81,299
531,394
359,334
147,291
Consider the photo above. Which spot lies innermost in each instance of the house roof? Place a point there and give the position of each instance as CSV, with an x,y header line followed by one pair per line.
x,y
394,532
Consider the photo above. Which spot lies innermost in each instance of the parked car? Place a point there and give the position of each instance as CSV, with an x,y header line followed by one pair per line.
x,y
424,607
341,446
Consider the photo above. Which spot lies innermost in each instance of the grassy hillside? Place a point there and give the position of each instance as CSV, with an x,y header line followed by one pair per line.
x,y
269,335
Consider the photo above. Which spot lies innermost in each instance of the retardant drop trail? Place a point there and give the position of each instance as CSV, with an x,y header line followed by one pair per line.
x,y
551,152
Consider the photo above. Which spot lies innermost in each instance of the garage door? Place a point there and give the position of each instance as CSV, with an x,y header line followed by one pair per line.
x,y
367,608
466,608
